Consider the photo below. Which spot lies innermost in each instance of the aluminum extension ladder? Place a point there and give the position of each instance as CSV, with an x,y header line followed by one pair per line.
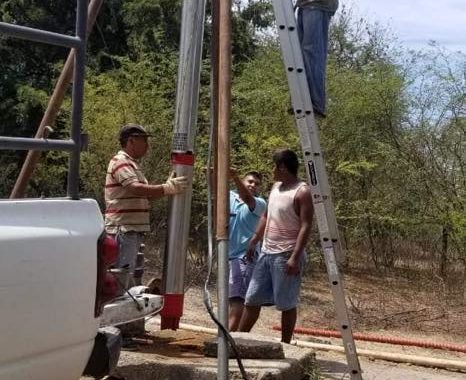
x,y
315,168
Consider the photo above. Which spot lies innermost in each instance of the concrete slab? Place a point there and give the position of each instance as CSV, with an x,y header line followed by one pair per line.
x,y
249,346
175,355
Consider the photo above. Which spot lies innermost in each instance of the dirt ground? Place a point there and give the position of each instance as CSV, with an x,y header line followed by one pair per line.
x,y
332,365
408,305
389,306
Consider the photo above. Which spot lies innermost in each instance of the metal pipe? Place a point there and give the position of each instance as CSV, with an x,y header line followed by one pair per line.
x,y
53,108
223,148
187,98
37,35
390,356
78,99
222,291
24,143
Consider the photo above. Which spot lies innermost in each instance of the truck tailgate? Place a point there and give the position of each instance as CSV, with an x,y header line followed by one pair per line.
x,y
48,266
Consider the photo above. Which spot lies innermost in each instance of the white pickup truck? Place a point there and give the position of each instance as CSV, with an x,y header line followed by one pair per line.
x,y
54,281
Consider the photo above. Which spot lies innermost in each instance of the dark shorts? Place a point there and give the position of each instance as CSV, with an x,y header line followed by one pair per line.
x,y
240,275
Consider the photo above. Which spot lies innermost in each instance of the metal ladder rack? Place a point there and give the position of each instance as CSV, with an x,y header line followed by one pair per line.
x,y
315,168
74,144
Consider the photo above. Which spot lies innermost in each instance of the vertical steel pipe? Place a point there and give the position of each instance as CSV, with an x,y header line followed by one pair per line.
x,y
222,289
187,98
53,108
78,99
223,148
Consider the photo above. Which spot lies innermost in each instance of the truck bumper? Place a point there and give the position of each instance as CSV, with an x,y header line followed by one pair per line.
x,y
105,354
127,309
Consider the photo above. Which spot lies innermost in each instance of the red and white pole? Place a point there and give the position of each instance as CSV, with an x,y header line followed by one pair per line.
x,y
182,159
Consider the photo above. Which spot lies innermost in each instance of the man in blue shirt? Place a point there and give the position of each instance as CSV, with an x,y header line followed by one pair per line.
x,y
246,208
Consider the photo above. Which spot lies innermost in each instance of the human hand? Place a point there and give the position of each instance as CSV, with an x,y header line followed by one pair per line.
x,y
233,172
175,185
292,266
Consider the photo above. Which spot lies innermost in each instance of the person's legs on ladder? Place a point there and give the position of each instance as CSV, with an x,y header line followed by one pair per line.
x,y
313,27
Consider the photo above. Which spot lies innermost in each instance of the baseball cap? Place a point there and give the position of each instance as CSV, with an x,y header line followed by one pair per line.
x,y
132,130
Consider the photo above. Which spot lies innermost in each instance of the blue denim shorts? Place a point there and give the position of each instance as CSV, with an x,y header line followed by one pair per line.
x,y
240,275
270,285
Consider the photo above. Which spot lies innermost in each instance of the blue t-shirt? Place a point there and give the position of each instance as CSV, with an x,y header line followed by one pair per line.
x,y
243,223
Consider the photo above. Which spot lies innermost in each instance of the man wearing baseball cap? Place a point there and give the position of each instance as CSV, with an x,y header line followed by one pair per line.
x,y
127,195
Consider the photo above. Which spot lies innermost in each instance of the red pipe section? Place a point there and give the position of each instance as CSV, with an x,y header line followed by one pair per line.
x,y
379,339
172,311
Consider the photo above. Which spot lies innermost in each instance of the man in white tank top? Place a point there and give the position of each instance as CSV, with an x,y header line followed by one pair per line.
x,y
284,229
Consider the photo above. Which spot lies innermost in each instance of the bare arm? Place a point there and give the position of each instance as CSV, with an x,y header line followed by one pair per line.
x,y
145,190
243,191
305,207
258,236
305,210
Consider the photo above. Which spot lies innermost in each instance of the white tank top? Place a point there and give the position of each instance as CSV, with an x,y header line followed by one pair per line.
x,y
282,227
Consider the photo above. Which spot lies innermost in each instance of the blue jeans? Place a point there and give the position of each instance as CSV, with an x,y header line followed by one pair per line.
x,y
128,248
313,35
128,244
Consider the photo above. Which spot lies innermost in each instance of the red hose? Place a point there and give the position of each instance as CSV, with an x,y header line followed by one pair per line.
x,y
379,339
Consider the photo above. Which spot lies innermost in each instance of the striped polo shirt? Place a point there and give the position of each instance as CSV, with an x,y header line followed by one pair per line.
x,y
124,211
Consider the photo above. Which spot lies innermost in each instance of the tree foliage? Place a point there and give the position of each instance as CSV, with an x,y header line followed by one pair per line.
x,y
394,138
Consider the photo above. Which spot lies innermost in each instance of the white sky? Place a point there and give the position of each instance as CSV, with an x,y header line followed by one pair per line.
x,y
416,22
